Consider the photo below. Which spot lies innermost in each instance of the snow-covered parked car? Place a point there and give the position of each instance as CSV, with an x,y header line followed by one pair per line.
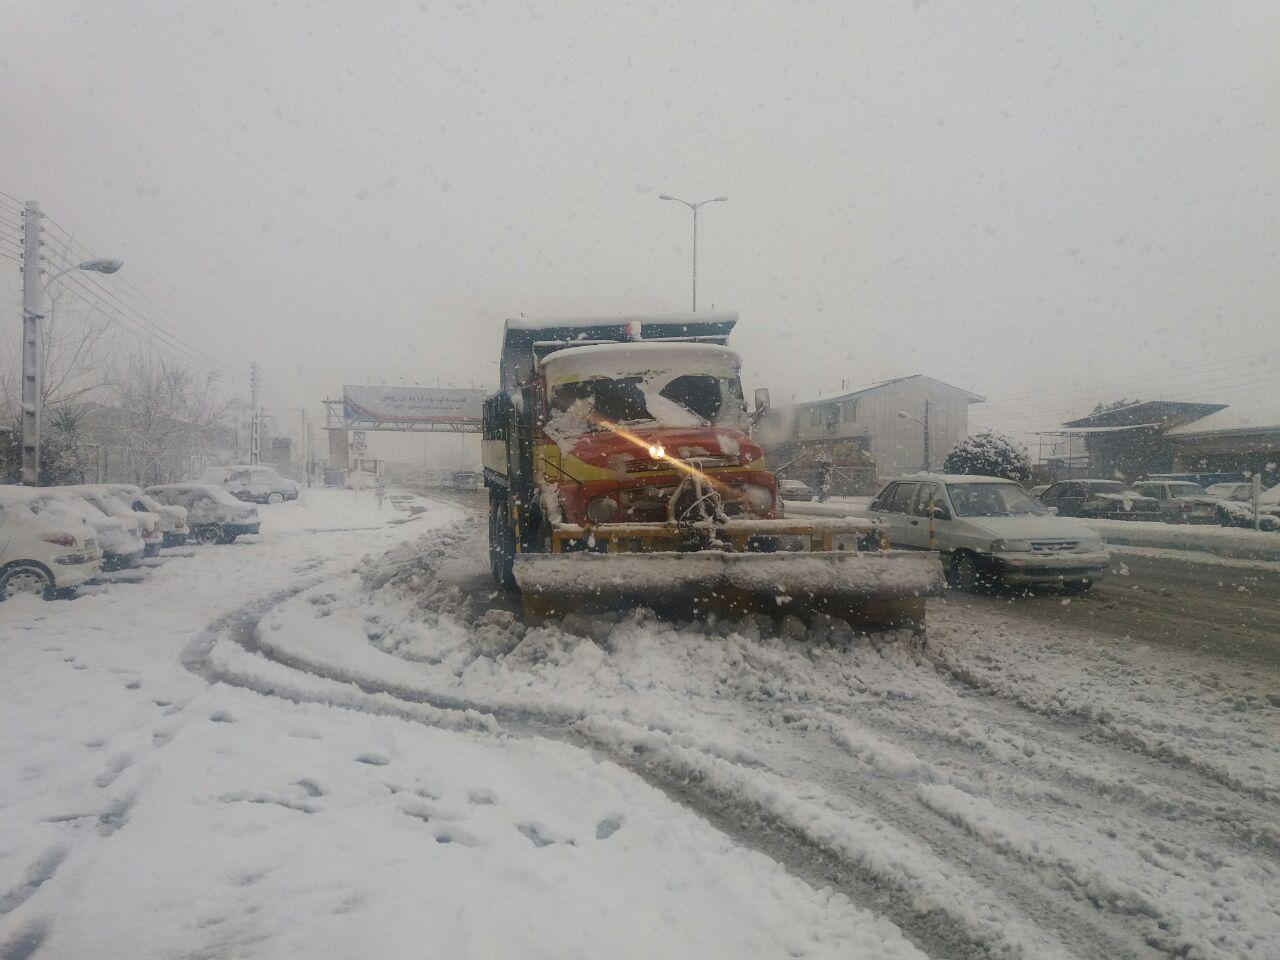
x,y
253,484
173,520
45,549
213,515
1180,501
100,496
1100,500
989,530
794,490
120,538
1237,511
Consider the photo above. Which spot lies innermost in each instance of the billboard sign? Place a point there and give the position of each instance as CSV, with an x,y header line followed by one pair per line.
x,y
412,404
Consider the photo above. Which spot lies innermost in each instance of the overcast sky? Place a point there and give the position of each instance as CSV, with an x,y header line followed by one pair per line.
x,y
1046,203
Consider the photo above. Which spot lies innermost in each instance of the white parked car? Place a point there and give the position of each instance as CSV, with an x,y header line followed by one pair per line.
x,y
101,497
213,515
254,484
120,538
794,490
989,530
45,549
173,520
1237,510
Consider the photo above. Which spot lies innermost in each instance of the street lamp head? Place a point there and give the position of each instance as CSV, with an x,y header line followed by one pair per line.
x,y
719,199
904,415
663,196
101,266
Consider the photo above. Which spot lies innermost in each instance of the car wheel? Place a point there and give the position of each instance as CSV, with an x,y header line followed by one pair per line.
x,y
25,578
227,537
965,574
1077,586
275,498
206,534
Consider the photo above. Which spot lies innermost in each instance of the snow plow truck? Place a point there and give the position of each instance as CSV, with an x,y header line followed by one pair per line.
x,y
621,471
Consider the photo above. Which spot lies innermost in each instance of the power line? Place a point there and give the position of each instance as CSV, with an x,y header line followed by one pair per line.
x,y
151,338
154,309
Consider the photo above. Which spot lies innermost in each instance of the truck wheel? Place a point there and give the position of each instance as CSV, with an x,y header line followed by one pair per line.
x,y
25,578
502,541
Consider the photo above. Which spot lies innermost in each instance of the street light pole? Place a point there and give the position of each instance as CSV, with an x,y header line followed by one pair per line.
x,y
694,207
32,295
925,425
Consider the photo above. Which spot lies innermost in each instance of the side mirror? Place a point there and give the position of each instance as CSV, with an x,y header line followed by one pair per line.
x,y
762,400
941,513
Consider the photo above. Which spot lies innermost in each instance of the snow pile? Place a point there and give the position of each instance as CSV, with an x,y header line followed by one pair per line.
x,y
1222,541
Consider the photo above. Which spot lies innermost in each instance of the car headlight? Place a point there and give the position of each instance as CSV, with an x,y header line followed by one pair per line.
x,y
1010,546
759,498
1090,545
602,510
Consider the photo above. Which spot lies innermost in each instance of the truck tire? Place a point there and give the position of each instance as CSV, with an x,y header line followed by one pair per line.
x,y
502,541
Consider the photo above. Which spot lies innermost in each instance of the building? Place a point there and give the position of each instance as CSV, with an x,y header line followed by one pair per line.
x,y
1243,437
862,435
1170,436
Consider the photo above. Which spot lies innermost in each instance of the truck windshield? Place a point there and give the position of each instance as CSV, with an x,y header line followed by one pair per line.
x,y
992,500
688,400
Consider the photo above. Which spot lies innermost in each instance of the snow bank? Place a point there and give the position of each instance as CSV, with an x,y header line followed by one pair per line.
x,y
1223,541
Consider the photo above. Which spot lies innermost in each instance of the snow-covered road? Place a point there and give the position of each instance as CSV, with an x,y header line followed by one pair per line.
x,y
391,762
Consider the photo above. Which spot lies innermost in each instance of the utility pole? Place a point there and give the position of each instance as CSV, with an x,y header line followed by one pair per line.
x,y
306,448
255,416
927,464
31,388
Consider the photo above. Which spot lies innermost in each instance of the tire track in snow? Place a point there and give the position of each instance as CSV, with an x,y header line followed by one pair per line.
x,y
753,825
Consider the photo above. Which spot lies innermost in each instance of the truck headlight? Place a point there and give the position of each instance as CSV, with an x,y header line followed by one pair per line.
x,y
1010,546
602,510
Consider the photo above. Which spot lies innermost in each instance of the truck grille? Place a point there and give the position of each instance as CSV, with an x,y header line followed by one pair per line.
x,y
1054,546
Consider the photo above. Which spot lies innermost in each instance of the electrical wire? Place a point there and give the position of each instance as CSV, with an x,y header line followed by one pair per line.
x,y
149,307
157,339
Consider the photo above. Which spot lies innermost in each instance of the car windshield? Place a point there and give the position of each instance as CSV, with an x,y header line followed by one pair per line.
x,y
1185,490
992,500
684,401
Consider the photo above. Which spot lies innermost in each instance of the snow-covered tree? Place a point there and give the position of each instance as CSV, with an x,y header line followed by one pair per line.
x,y
990,454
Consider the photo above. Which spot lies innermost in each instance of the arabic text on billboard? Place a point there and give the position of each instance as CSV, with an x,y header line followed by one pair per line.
x,y
412,404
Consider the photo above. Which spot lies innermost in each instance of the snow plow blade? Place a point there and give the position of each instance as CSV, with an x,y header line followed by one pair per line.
x,y
874,590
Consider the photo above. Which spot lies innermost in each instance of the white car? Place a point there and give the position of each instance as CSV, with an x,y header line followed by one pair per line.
x,y
44,550
101,497
255,484
989,530
794,490
120,539
214,515
173,520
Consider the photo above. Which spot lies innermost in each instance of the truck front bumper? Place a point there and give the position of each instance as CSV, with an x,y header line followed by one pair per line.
x,y
1027,568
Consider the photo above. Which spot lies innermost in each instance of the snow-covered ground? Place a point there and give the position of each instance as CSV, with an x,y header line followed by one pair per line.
x,y
148,813
389,762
